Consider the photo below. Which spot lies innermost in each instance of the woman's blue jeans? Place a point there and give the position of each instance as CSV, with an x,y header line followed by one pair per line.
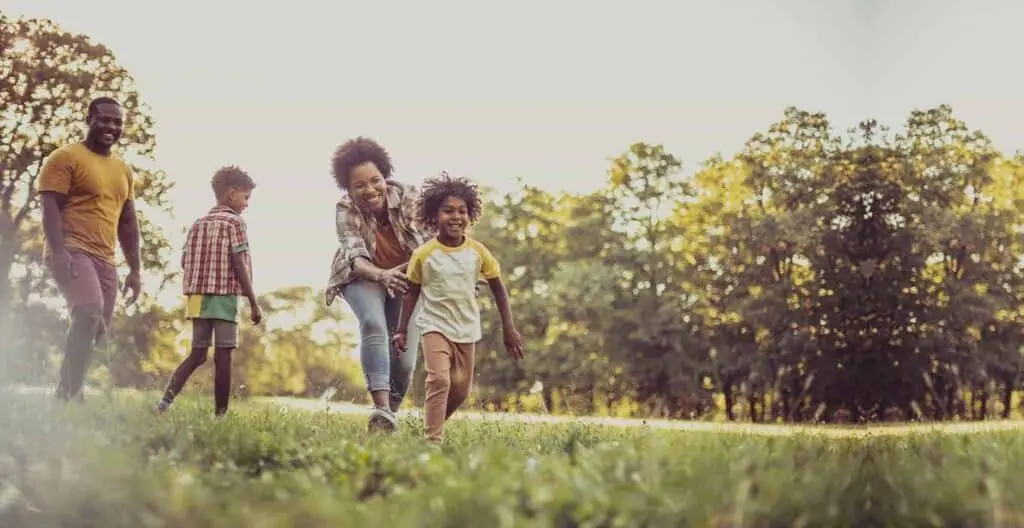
x,y
378,315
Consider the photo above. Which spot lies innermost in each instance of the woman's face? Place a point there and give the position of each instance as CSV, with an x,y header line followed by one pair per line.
x,y
368,187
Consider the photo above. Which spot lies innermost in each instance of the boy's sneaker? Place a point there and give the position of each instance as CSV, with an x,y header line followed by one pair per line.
x,y
383,420
162,406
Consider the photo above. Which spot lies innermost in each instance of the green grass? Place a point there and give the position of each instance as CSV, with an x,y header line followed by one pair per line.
x,y
111,463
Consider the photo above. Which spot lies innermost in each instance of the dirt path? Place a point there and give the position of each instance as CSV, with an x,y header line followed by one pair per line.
x,y
679,425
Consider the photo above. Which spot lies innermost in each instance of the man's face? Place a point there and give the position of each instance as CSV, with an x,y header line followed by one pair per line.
x,y
105,125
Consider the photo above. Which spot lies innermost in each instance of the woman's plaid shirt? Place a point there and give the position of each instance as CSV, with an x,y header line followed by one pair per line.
x,y
357,233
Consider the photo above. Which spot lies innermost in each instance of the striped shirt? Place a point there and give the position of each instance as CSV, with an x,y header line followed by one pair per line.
x,y
206,258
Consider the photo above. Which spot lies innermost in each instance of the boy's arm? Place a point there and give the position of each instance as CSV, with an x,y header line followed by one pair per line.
x,y
238,244
414,274
501,300
408,305
244,275
513,341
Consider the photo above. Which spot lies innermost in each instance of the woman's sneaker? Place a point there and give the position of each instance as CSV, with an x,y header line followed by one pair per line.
x,y
383,420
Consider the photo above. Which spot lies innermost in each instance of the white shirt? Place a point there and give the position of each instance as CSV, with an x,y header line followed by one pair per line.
x,y
447,277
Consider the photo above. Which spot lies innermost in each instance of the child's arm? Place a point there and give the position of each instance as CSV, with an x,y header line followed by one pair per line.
x,y
414,275
408,305
244,276
513,341
239,246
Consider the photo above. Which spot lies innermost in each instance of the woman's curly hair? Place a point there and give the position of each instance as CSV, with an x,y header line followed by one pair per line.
x,y
354,153
436,190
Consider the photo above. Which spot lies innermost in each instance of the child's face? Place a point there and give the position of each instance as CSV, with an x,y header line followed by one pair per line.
x,y
453,218
238,199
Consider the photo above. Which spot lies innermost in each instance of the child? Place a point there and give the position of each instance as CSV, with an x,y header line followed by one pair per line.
x,y
218,269
444,271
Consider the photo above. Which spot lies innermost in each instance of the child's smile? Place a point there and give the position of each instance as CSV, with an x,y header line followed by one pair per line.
x,y
452,219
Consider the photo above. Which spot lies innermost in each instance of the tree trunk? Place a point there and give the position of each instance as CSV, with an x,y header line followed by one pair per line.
x,y
1007,398
729,403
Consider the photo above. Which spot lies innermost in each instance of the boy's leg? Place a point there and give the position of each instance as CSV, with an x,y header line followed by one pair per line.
x,y
404,365
461,375
437,356
226,342
202,333
84,296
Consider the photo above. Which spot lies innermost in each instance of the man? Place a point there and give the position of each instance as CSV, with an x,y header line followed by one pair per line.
x,y
88,202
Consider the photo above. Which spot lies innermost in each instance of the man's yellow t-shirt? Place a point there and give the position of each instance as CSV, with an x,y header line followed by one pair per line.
x,y
97,188
447,277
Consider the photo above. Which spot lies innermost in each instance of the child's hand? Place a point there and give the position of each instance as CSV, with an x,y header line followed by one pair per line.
x,y
514,342
399,341
255,313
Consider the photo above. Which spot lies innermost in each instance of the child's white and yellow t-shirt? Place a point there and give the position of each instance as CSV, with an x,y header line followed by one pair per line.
x,y
447,277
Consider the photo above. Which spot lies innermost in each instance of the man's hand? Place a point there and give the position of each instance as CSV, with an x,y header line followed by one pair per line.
x,y
513,342
398,339
255,312
63,267
132,282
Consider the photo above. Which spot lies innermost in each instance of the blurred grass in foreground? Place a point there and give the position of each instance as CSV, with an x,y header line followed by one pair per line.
x,y
111,462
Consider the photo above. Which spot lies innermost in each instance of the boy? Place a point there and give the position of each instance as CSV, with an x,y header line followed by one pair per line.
x,y
218,269
444,271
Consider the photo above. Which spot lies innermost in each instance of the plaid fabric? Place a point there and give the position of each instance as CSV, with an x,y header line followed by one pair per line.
x,y
206,257
357,233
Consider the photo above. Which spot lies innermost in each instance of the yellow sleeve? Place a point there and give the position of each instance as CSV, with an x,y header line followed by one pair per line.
x,y
131,181
57,172
489,267
415,270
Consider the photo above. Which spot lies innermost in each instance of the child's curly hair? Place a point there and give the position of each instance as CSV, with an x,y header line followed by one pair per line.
x,y
230,177
436,190
354,153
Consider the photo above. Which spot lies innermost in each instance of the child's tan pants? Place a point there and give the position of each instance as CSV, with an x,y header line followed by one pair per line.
x,y
449,369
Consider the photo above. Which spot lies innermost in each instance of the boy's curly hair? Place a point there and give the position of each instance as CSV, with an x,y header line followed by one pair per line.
x,y
436,190
230,177
354,153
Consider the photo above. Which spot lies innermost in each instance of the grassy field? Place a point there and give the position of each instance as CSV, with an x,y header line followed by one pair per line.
x,y
112,463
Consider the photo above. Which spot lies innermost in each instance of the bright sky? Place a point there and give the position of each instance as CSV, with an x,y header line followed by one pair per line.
x,y
545,91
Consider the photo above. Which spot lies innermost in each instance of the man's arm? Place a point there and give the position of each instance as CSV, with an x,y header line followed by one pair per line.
x,y
53,223
128,235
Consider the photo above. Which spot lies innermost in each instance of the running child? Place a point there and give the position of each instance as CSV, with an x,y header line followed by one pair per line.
x,y
445,271
218,269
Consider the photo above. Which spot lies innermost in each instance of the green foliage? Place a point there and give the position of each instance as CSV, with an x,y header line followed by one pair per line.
x,y
47,78
811,277
113,463
815,276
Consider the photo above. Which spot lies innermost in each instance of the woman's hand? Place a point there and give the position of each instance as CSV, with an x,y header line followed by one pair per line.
x,y
394,280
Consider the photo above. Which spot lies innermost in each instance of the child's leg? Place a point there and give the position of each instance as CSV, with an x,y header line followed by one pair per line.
x,y
225,343
437,355
461,376
202,332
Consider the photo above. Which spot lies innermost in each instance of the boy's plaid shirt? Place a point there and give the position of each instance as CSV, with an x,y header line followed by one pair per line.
x,y
357,233
206,257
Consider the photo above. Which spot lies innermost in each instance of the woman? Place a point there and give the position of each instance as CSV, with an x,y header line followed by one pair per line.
x,y
376,234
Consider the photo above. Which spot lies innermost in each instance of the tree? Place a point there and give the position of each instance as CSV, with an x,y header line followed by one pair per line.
x,y
47,78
